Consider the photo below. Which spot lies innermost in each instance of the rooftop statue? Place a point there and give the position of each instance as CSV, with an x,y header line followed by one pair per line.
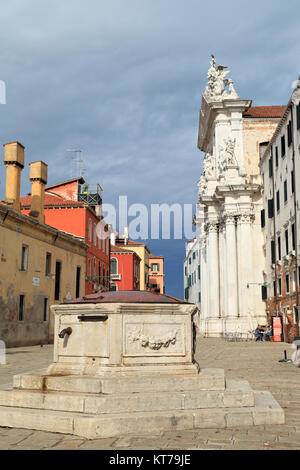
x,y
217,83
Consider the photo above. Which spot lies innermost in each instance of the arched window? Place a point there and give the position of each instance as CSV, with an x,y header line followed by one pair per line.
x,y
113,266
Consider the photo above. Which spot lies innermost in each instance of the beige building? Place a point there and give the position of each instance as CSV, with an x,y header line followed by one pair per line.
x,y
280,168
39,265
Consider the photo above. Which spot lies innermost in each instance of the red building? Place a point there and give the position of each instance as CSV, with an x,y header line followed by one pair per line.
x,y
71,207
124,269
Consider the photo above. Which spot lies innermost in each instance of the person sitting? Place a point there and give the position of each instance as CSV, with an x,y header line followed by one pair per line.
x,y
268,333
258,333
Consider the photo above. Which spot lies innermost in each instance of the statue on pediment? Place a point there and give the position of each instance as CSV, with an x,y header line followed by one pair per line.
x,y
217,83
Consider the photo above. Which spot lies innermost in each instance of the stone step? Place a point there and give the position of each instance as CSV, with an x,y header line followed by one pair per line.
x,y
265,412
237,394
207,379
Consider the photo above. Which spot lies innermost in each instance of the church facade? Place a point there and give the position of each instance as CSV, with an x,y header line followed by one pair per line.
x,y
232,252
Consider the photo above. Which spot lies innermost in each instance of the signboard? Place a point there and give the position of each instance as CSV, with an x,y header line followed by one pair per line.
x,y
36,281
277,329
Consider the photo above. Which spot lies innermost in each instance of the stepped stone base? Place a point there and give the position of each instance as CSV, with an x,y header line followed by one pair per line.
x,y
109,406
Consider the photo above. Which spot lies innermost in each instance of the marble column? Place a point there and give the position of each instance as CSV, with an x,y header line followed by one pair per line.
x,y
221,269
203,283
213,270
231,267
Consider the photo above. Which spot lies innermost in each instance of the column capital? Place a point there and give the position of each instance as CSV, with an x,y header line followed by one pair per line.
x,y
245,218
212,227
229,219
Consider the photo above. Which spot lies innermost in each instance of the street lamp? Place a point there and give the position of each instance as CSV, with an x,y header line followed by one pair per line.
x,y
257,284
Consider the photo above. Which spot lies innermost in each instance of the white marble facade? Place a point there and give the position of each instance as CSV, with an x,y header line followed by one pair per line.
x,y
231,241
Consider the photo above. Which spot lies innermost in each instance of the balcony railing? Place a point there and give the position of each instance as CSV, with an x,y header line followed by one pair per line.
x,y
91,194
115,277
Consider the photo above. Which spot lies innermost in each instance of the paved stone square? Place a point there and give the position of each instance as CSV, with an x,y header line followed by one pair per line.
x,y
258,363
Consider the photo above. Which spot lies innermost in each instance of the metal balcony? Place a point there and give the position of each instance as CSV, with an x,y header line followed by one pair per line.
x,y
90,194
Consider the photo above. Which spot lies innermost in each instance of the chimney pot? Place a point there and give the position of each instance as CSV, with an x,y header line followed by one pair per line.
x,y
14,162
38,178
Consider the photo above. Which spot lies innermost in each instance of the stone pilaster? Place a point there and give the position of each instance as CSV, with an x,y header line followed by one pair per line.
x,y
245,268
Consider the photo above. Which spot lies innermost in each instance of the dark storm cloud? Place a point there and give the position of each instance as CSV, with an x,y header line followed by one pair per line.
x,y
122,81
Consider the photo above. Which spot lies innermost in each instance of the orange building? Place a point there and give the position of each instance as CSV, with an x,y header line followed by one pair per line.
x,y
71,207
156,273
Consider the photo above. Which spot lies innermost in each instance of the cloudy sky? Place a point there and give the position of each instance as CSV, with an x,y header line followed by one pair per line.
x,y
122,81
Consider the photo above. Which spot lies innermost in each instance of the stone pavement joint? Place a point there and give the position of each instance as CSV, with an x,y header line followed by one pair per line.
x,y
257,363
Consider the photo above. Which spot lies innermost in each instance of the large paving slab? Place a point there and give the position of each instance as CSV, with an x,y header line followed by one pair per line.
x,y
256,363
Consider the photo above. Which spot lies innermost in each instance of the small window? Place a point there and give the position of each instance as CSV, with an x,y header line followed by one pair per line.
x,y
78,273
273,251
155,267
113,266
48,265
271,208
287,283
186,293
46,308
298,117
95,234
276,156
24,261
283,146
285,191
89,269
279,248
57,280
292,182
279,286
21,307
278,201
95,270
90,230
290,133
264,293
263,218
286,234
113,287
270,167
294,281
293,237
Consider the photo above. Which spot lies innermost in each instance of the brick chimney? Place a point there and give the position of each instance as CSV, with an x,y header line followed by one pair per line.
x,y
38,178
14,162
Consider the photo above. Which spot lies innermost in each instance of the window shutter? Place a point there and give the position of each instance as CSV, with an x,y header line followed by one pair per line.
x,y
273,251
298,117
271,208
264,293
263,218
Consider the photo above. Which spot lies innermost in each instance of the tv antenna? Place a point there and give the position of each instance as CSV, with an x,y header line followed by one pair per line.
x,y
77,161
